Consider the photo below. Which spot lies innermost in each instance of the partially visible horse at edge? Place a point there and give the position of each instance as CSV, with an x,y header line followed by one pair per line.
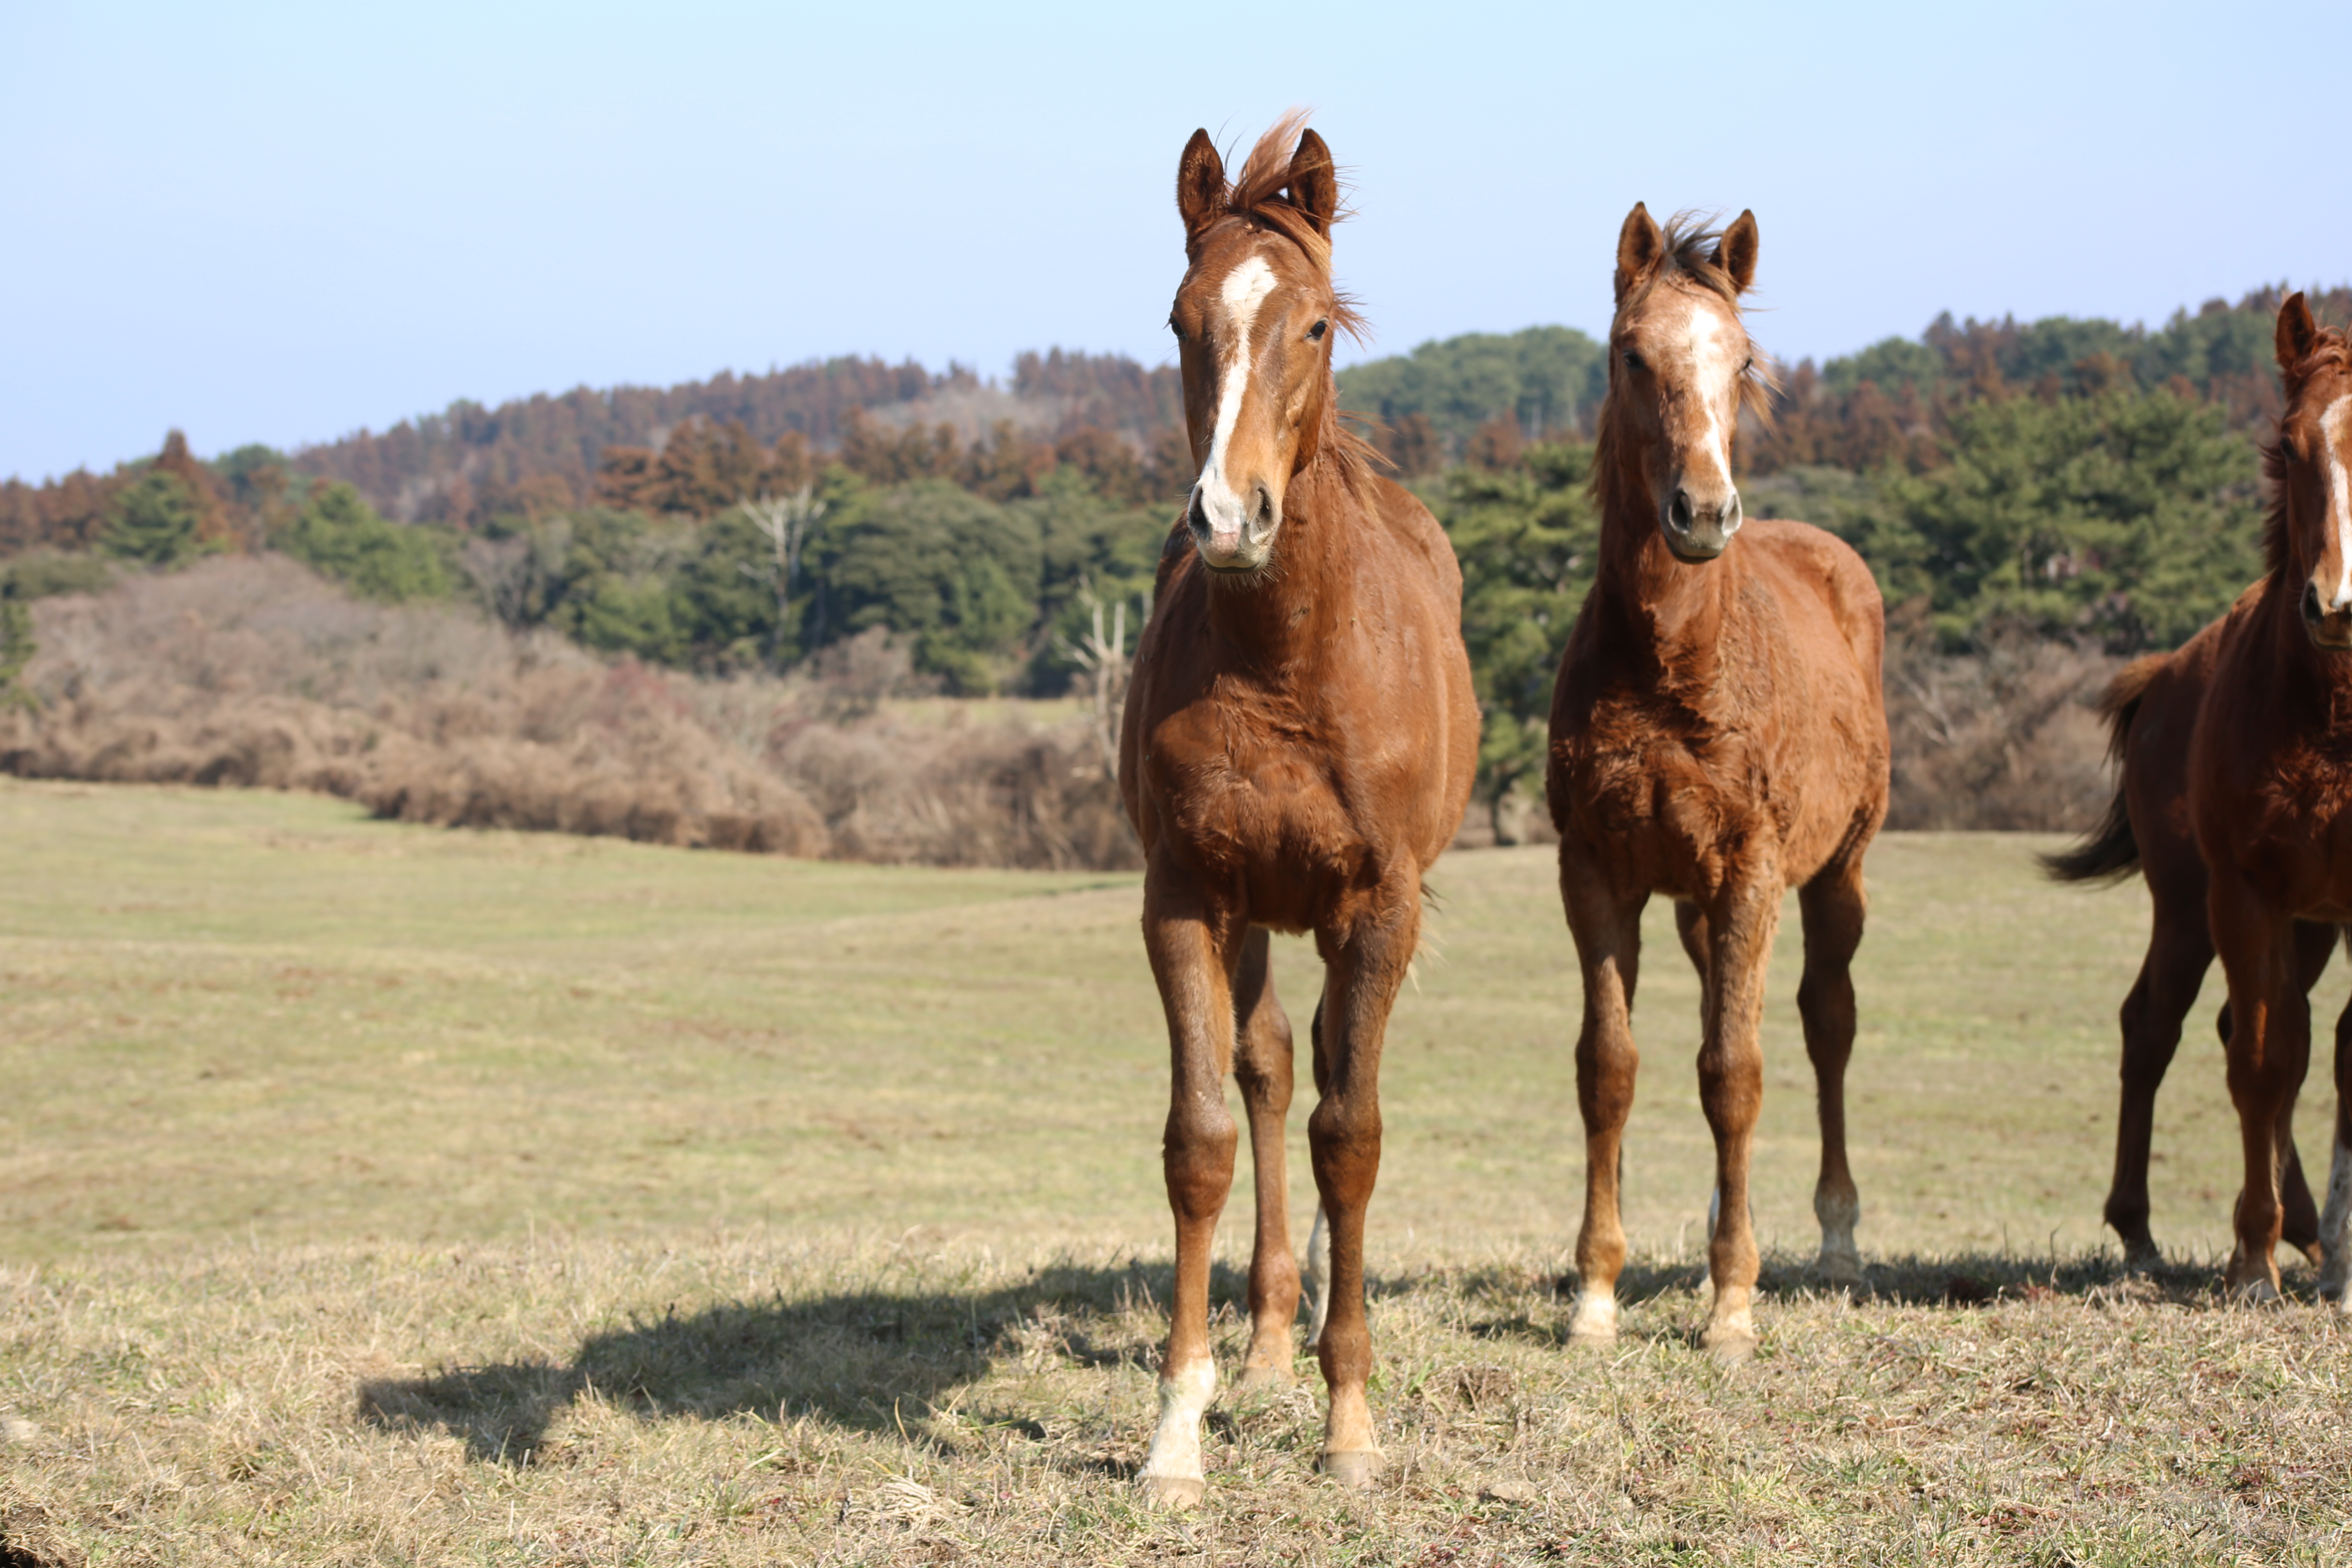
x,y
2270,795
1718,734
2151,709
1298,748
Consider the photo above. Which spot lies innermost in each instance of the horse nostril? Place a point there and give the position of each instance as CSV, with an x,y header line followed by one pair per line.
x,y
1679,513
2311,610
1261,515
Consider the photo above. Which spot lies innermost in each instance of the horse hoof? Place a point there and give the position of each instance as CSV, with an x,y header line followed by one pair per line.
x,y
1171,1491
1263,1380
2141,1257
1842,1270
2258,1292
1355,1470
1728,1345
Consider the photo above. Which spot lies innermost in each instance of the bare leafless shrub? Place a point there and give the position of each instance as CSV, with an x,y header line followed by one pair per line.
x,y
958,794
2001,737
254,672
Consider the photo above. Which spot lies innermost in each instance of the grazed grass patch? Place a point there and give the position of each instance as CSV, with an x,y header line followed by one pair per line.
x,y
746,1400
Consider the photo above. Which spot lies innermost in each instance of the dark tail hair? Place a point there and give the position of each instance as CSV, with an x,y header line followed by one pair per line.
x,y
2109,853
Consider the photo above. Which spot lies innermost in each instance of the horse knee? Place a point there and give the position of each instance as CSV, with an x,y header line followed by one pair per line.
x,y
1197,1154
1344,1135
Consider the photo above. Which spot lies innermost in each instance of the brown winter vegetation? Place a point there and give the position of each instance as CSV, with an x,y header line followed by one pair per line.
x,y
251,671
2004,736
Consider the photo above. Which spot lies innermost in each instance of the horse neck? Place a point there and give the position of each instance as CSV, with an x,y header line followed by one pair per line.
x,y
1676,607
1277,622
2305,673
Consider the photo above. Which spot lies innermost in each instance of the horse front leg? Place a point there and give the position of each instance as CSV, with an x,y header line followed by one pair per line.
x,y
1740,921
1262,1066
1831,907
2269,1051
1364,965
1192,947
2336,1219
1607,926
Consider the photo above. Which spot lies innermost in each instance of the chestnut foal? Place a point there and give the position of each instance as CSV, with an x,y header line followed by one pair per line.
x,y
1298,748
1718,736
2270,793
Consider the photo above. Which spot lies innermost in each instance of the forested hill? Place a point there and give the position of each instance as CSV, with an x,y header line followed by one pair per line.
x,y
540,454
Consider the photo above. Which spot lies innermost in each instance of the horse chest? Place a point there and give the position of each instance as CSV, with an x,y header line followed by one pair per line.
x,y
1261,808
1677,803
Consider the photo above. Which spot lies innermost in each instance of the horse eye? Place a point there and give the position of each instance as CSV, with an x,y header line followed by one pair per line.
x,y
1175,329
1633,360
1314,334
2286,446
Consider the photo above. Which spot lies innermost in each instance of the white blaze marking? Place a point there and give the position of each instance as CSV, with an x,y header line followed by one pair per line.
x,y
1176,1442
1711,352
1245,289
2339,497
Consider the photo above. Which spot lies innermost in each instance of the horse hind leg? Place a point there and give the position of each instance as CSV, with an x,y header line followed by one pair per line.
x,y
1262,1067
1832,908
1317,1268
2180,952
2299,1223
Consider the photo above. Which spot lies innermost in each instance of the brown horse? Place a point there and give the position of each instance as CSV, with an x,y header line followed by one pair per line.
x,y
1298,749
2151,710
1718,736
2269,792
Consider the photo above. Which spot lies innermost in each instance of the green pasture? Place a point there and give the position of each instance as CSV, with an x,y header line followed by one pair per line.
x,y
265,1016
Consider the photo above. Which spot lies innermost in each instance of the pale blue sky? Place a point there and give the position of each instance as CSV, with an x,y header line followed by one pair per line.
x,y
283,223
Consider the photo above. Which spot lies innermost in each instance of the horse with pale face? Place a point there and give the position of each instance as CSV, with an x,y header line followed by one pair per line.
x,y
1298,748
1718,736
2270,795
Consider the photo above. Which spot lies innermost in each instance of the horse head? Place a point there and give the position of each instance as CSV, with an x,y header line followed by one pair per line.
x,y
2311,519
1680,367
1253,321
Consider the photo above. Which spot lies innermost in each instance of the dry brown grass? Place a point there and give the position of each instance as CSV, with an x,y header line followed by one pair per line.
x,y
254,672
369,1193
750,1398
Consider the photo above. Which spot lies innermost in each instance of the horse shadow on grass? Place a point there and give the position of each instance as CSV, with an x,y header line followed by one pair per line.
x,y
871,1360
1954,1281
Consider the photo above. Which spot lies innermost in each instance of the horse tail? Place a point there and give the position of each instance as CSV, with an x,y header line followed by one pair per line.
x,y
2110,853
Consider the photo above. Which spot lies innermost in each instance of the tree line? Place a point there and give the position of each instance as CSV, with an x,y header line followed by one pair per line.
x,y
2062,479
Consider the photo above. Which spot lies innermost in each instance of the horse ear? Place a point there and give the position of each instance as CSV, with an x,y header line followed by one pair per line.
x,y
2296,332
1735,252
1315,184
1199,185
1639,247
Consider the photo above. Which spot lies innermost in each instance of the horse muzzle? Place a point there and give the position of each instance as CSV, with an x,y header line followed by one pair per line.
x,y
2330,628
1698,532
1235,540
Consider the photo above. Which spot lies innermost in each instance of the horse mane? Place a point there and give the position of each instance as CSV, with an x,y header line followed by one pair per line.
x,y
1260,197
2331,350
1691,238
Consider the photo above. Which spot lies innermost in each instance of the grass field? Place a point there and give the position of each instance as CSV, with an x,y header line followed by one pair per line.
x,y
371,1193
